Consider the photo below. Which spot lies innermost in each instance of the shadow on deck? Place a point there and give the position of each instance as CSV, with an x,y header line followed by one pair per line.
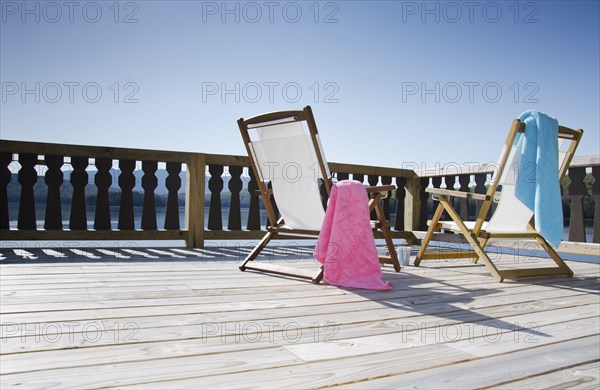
x,y
181,317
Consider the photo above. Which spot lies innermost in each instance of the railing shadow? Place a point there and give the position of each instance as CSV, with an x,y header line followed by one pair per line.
x,y
77,255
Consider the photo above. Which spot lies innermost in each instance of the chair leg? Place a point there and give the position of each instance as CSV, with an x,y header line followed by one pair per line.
x,y
317,279
257,249
436,218
483,243
471,239
375,203
385,229
555,256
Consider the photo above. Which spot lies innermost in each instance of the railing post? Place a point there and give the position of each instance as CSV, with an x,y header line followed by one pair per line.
x,y
577,191
194,200
412,204
400,203
596,197
5,178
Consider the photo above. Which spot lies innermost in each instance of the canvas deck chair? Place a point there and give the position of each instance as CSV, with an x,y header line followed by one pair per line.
x,y
285,150
511,219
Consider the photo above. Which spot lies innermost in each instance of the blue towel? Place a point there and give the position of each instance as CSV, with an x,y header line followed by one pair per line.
x,y
538,185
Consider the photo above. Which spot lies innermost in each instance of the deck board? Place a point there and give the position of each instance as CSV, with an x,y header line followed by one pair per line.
x,y
582,376
497,369
184,318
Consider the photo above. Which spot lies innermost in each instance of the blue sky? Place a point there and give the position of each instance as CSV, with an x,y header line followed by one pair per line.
x,y
176,75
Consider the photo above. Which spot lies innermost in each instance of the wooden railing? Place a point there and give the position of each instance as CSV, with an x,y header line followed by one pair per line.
x,y
50,159
35,159
408,209
255,225
474,179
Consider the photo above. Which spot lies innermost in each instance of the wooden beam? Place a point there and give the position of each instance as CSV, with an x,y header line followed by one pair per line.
x,y
93,151
458,194
314,276
194,201
530,272
412,204
370,170
466,254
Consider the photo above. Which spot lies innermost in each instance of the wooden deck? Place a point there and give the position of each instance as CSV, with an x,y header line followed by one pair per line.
x,y
187,318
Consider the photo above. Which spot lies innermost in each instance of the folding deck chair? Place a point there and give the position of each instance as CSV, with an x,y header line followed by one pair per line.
x,y
511,219
283,153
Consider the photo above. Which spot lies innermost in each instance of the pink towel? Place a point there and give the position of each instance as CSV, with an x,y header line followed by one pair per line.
x,y
346,246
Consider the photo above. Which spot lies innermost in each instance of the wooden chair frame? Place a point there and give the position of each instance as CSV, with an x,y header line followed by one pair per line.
x,y
376,194
476,236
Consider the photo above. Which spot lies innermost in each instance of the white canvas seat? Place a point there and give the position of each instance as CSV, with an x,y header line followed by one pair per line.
x,y
511,219
284,156
511,215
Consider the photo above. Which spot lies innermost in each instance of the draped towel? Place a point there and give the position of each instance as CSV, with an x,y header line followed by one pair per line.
x,y
346,246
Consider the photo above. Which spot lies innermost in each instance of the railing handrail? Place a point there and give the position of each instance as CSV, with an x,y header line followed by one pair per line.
x,y
452,169
371,170
13,146
455,169
585,161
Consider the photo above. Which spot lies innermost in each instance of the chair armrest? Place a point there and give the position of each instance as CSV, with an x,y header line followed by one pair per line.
x,y
385,188
269,192
459,194
369,189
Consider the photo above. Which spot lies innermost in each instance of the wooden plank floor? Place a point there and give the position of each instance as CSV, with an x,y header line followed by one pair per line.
x,y
188,318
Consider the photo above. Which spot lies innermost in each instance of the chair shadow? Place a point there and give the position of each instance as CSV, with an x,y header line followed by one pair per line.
x,y
427,301
592,288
